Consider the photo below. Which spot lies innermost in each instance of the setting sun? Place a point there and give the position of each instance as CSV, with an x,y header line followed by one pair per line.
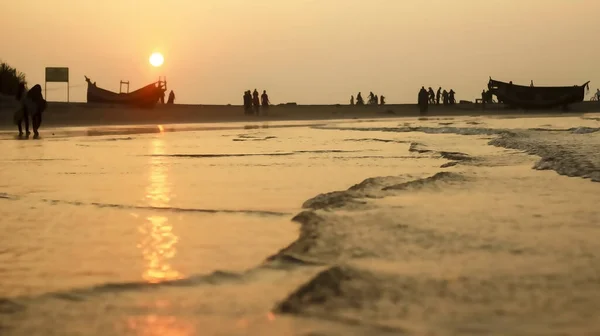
x,y
156,59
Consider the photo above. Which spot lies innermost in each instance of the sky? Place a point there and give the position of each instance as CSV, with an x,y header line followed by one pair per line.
x,y
304,51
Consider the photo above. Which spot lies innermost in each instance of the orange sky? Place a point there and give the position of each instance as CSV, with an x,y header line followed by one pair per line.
x,y
307,51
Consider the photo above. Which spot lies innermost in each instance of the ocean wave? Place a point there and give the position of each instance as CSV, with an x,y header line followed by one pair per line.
x,y
356,196
574,130
110,139
318,151
9,306
169,209
444,176
423,129
377,140
207,156
15,305
248,137
572,162
388,299
7,196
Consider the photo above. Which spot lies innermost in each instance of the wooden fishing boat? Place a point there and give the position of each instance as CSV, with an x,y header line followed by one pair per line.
x,y
536,97
147,96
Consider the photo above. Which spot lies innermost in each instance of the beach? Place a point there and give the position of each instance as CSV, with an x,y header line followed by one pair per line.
x,y
60,114
330,220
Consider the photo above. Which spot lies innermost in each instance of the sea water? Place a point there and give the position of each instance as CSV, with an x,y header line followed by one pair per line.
x,y
163,230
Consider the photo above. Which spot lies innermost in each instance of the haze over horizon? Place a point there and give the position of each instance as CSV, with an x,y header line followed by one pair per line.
x,y
310,51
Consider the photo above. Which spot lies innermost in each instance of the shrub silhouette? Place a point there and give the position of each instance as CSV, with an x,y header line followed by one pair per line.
x,y
10,79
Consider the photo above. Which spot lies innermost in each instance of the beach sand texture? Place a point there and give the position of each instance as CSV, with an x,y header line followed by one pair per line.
x,y
447,225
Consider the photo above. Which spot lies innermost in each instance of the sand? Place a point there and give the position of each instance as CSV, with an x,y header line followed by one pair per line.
x,y
488,225
82,114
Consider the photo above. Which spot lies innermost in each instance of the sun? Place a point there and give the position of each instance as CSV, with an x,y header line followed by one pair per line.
x,y
156,59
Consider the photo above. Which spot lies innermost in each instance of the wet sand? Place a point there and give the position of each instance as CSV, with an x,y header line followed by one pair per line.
x,y
495,234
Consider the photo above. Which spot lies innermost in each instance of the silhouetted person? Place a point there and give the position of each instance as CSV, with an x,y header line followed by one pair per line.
x,y
483,99
438,96
375,100
431,95
247,102
423,100
531,85
35,105
598,94
21,115
359,100
451,98
382,100
171,98
264,101
445,97
352,100
371,97
256,102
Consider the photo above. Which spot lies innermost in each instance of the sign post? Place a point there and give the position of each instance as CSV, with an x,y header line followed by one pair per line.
x,y
57,75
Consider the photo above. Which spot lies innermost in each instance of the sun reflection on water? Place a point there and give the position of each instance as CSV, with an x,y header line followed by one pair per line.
x,y
160,325
158,240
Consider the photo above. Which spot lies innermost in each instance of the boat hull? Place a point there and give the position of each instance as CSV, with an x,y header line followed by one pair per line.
x,y
146,97
537,97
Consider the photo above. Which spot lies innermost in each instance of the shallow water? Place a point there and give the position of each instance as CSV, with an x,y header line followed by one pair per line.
x,y
83,211
150,230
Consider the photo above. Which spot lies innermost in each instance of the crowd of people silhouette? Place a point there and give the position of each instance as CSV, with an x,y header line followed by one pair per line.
x,y
373,99
253,102
428,97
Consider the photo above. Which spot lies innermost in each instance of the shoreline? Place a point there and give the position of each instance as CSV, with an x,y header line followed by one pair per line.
x,y
83,114
408,270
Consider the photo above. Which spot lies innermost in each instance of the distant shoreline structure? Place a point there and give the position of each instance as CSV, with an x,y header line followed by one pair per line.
x,y
63,114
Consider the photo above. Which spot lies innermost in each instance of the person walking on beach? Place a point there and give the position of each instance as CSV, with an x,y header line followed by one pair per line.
x,y
382,100
247,102
423,100
34,106
171,100
264,101
451,98
352,100
370,97
438,96
483,99
445,97
256,102
21,116
359,100
375,100
431,96
598,94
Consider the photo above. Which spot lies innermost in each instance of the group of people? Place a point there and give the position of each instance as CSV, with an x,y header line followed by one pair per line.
x,y
171,99
373,100
429,97
253,103
31,105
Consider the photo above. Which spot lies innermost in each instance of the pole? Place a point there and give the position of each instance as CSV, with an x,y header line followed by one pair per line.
x,y
68,91
45,91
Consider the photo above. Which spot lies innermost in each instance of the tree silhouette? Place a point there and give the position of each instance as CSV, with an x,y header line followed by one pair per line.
x,y
10,79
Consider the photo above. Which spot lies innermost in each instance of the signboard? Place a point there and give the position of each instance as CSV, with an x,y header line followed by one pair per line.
x,y
57,75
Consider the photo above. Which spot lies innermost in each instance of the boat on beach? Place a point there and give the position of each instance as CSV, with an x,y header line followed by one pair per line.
x,y
536,97
146,96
